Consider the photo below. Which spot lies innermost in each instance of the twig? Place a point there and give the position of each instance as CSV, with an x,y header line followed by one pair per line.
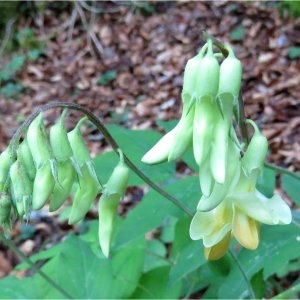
x,y
8,30
87,26
97,10
71,24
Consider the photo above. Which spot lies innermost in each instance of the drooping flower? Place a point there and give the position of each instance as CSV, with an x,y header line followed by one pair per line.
x,y
239,214
237,207
175,143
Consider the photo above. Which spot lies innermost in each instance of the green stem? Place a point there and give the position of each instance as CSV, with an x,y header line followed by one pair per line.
x,y
250,289
100,126
242,120
288,294
217,43
11,245
282,170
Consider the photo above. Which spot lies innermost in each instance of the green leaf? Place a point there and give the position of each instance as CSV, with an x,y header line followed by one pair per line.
x,y
17,62
11,90
168,231
155,255
294,52
154,285
266,182
258,284
27,288
167,125
291,186
187,261
41,255
15,65
82,271
154,209
107,77
127,269
24,35
238,33
181,237
278,245
186,254
35,287
134,143
34,54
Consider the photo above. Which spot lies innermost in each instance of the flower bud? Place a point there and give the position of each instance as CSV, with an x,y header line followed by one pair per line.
x,y
21,188
208,76
204,119
160,151
230,75
201,75
5,208
220,191
256,152
6,160
42,186
77,143
80,151
216,251
59,141
206,179
25,158
118,180
183,136
62,189
219,151
107,208
108,204
38,141
175,143
245,229
87,190
190,79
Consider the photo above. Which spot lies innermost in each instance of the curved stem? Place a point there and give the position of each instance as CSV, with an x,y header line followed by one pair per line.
x,y
242,120
217,43
282,170
250,289
100,126
34,267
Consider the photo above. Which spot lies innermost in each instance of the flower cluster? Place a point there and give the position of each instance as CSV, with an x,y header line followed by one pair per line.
x,y
51,167
228,168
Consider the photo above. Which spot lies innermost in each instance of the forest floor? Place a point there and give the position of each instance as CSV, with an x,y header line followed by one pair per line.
x,y
126,64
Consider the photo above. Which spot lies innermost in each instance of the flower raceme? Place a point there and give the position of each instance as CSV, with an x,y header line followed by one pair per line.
x,y
209,95
48,168
239,207
230,204
44,168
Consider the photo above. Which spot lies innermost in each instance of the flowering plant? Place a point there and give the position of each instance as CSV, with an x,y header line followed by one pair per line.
x,y
228,168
